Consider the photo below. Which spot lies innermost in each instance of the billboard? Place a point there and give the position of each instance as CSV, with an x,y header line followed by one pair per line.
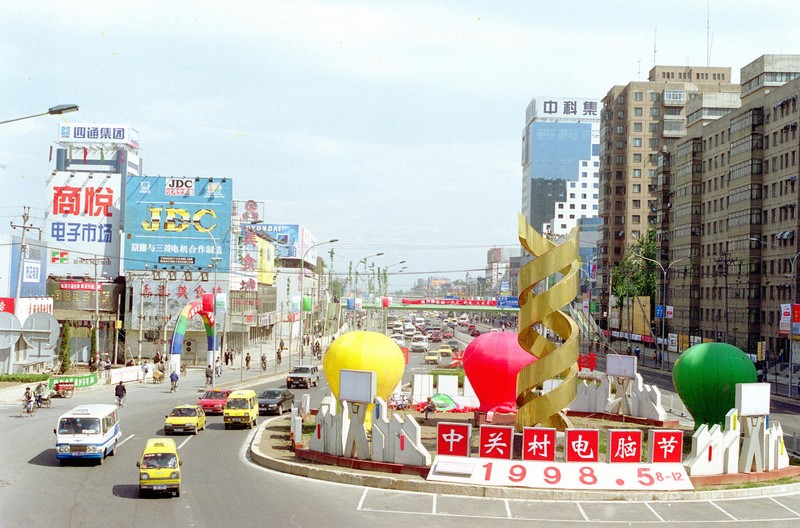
x,y
291,240
158,295
266,262
81,296
34,268
247,211
83,133
177,223
564,108
82,223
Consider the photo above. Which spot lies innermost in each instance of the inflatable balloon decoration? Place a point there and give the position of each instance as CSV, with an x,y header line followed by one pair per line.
x,y
561,361
361,350
491,362
705,377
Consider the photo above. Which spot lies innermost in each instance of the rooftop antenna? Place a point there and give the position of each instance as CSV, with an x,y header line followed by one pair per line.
x,y
639,73
655,39
708,33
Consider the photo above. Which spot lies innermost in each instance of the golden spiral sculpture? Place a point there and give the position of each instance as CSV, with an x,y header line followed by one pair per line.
x,y
554,360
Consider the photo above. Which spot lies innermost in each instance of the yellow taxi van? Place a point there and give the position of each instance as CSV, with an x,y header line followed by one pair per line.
x,y
241,408
160,468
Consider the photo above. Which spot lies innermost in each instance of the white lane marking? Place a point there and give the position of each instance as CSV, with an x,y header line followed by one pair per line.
x,y
785,506
363,498
508,508
120,443
580,509
717,506
434,505
184,442
654,512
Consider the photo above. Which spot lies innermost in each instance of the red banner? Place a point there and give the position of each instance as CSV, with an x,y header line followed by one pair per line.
x,y
458,302
7,304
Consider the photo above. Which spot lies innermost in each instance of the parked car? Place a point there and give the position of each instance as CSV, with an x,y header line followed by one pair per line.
x,y
304,376
213,401
185,419
275,401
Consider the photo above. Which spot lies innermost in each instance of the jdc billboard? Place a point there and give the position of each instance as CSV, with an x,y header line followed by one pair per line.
x,y
177,223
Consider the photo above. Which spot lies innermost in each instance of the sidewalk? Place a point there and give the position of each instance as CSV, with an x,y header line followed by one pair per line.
x,y
232,375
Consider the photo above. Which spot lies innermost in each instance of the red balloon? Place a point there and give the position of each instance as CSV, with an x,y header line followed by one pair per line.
x,y
491,362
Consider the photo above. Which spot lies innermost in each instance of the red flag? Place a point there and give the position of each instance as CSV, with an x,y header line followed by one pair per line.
x,y
85,153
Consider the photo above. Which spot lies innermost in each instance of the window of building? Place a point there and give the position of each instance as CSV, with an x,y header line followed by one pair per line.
x,y
637,158
620,145
652,173
637,188
620,99
620,129
618,220
638,111
655,112
560,205
618,160
637,142
637,173
654,127
636,219
654,96
637,204
637,127
638,96
620,114
653,142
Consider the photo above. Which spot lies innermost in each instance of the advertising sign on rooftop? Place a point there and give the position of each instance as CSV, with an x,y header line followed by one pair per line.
x,y
177,223
291,240
83,223
81,133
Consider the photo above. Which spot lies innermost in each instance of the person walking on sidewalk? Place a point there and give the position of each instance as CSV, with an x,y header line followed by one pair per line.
x,y
247,361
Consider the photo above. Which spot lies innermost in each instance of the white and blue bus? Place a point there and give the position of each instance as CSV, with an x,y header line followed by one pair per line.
x,y
88,431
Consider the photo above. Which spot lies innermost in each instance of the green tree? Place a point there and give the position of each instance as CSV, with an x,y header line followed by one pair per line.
x,y
93,349
65,349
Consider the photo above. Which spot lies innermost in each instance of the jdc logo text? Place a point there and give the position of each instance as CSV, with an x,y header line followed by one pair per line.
x,y
177,220
179,187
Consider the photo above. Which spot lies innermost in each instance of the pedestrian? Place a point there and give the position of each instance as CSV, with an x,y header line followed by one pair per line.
x,y
120,391
278,356
660,359
430,407
281,345
637,352
218,367
655,358
247,361
173,378
209,375
629,350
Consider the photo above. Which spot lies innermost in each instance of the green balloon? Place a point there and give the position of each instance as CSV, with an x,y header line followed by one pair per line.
x,y
705,377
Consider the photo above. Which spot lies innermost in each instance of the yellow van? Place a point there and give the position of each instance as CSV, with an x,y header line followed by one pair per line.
x,y
160,467
241,408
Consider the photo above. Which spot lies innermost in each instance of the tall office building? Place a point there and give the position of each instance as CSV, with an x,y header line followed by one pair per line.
x,y
560,163
729,215
637,121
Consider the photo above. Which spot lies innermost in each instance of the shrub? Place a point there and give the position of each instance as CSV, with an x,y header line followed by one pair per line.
x,y
24,378
64,351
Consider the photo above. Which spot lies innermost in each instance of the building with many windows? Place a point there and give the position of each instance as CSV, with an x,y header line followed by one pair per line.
x,y
638,120
728,227
559,163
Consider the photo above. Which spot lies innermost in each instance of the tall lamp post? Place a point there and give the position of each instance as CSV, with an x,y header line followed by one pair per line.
x,y
302,274
214,353
665,271
364,260
793,263
55,110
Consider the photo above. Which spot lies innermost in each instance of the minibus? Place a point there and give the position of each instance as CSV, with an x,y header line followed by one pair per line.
x,y
88,431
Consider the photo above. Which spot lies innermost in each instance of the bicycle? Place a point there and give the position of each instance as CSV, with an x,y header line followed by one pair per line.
x,y
28,408
173,386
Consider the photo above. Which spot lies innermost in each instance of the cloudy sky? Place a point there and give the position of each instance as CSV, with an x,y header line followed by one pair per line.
x,y
392,126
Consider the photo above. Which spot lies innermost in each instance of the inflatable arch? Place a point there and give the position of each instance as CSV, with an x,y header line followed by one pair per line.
x,y
190,310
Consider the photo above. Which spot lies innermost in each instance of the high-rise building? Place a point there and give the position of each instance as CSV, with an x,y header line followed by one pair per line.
x,y
560,163
729,216
638,120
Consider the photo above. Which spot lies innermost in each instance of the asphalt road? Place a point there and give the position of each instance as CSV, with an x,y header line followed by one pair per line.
x,y
221,487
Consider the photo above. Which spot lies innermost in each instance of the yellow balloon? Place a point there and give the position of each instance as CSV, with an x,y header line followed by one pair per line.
x,y
365,351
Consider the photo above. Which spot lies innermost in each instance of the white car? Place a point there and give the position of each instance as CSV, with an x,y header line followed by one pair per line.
x,y
400,340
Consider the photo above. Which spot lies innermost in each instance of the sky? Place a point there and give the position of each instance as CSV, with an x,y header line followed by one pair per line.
x,y
394,127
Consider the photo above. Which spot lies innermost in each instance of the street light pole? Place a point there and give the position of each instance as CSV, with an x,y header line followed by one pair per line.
x,y
302,274
55,110
792,292
213,359
665,271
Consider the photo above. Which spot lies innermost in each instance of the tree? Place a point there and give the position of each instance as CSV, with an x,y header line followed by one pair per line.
x,y
65,349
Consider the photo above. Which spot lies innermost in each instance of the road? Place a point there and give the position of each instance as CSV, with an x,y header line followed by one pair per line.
x,y
221,487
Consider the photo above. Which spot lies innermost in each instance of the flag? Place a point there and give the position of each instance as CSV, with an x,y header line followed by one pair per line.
x,y
59,257
51,154
306,303
85,153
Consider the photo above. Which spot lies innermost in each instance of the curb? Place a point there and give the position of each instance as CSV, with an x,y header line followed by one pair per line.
x,y
412,484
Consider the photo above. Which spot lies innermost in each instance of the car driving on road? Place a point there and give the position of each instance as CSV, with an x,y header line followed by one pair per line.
x,y
303,376
274,401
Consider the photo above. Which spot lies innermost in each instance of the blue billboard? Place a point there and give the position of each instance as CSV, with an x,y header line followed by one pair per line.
x,y
177,223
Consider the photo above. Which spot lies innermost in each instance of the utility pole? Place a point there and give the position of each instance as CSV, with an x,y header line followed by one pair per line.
x,y
95,261
22,247
722,267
